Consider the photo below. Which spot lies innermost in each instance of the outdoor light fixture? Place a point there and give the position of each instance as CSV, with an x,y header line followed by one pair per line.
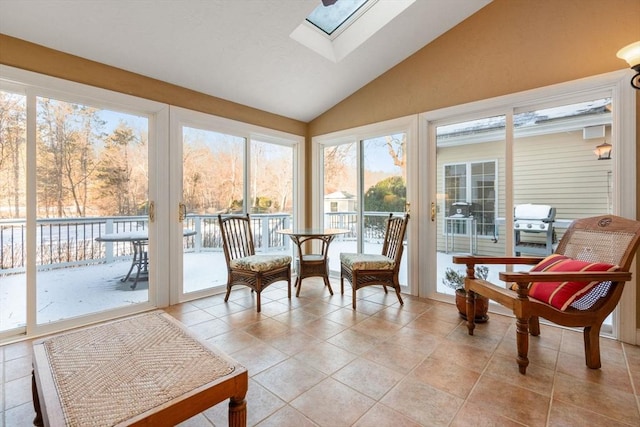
x,y
603,151
631,54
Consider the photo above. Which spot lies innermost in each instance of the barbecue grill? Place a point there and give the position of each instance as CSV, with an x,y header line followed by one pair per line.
x,y
535,223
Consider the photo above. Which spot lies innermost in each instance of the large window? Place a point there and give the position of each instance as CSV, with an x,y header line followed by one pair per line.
x,y
98,202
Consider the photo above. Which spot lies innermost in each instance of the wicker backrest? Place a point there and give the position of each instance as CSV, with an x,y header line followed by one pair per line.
x,y
237,239
608,238
394,237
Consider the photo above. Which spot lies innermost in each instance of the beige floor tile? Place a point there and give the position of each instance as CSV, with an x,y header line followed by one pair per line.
x,y
266,329
377,327
463,355
325,357
333,404
610,374
505,369
368,378
293,341
446,376
604,400
513,402
287,417
289,379
564,414
423,403
258,357
396,357
381,415
481,416
354,341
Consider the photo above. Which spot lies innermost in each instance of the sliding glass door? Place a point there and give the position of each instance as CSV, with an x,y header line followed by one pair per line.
x,y
76,242
226,169
365,177
512,179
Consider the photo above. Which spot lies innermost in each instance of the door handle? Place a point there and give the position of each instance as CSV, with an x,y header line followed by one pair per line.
x,y
433,211
407,207
152,212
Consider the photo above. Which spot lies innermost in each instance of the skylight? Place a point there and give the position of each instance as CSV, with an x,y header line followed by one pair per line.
x,y
337,30
330,18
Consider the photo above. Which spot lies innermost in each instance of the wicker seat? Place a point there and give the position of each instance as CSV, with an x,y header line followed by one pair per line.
x,y
368,269
246,268
608,242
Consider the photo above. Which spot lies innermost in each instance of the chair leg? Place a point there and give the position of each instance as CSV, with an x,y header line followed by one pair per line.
x,y
534,326
298,286
226,297
326,282
289,287
258,300
592,346
396,286
341,283
471,308
399,297
522,340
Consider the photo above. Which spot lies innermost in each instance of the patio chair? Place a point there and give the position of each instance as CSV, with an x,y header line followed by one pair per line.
x,y
577,286
370,269
246,268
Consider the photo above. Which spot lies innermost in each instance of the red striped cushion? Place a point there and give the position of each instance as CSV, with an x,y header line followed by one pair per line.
x,y
562,294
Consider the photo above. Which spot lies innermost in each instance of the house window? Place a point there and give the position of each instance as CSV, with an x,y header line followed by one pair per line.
x,y
470,190
334,206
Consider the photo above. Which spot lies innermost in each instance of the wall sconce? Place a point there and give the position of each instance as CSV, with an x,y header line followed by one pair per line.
x,y
631,54
603,151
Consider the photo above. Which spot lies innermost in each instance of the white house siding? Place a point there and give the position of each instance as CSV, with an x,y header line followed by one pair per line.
x,y
557,169
478,152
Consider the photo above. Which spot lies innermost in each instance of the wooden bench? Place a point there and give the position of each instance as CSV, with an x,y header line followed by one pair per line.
x,y
143,370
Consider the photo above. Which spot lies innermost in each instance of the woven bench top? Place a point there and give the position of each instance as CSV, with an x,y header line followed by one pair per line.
x,y
109,373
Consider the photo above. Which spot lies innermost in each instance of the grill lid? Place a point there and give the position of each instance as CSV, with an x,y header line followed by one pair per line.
x,y
534,212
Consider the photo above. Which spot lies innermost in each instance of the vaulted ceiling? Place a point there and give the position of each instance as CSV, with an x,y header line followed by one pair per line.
x,y
238,50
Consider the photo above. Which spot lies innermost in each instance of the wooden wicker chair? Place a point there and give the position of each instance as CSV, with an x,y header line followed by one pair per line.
x,y
606,239
368,269
246,268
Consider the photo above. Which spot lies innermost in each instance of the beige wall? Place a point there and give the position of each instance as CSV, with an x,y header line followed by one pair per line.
x,y
21,54
509,46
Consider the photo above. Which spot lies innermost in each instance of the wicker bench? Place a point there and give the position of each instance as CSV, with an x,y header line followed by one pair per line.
x,y
142,370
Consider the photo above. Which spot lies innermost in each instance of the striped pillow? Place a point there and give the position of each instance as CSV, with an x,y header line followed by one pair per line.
x,y
561,294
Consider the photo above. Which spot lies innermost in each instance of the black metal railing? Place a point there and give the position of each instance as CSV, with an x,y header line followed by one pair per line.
x,y
63,242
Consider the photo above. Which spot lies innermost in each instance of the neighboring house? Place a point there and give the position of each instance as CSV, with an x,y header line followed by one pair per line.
x,y
339,201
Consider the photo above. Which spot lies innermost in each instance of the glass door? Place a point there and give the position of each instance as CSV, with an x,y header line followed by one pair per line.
x,y
364,180
469,212
226,169
92,198
13,208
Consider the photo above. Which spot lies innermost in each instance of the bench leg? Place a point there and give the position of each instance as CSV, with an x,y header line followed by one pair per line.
x,y
237,412
37,421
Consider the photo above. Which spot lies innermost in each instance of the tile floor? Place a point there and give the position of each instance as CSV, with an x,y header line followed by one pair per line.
x,y
313,361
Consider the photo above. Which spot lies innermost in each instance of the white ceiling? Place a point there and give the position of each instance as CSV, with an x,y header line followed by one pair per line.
x,y
239,50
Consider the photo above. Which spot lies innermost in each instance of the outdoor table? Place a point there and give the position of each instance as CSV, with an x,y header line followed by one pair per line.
x,y
146,369
139,241
313,264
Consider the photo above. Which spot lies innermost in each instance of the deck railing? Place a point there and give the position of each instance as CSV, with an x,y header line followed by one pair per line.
x,y
65,242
